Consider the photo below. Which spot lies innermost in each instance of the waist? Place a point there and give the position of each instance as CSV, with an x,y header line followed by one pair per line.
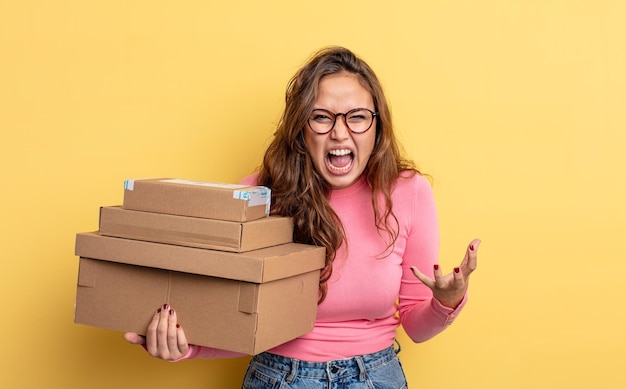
x,y
333,369
330,341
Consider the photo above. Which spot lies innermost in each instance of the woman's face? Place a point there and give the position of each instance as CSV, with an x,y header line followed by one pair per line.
x,y
341,156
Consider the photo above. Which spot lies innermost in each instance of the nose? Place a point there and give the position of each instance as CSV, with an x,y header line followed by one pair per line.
x,y
340,130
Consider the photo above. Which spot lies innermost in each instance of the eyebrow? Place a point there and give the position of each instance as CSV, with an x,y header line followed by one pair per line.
x,y
333,112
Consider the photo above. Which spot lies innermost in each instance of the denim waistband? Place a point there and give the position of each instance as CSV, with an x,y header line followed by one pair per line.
x,y
334,369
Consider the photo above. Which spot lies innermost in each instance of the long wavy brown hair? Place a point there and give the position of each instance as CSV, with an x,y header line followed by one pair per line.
x,y
298,189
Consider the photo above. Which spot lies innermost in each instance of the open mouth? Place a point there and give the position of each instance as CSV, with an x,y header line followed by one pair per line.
x,y
339,160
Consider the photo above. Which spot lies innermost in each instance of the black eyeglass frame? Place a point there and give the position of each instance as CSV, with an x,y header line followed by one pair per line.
x,y
345,121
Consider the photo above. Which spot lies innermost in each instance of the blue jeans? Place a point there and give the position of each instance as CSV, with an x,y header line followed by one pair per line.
x,y
380,370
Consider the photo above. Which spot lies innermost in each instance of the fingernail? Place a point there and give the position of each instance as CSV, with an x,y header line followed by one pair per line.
x,y
177,325
472,247
165,306
159,310
456,270
436,267
171,312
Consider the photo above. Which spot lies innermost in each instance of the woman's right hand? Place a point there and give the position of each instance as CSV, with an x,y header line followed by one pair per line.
x,y
165,338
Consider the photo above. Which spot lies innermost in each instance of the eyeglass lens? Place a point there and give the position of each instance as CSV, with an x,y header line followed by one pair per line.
x,y
357,120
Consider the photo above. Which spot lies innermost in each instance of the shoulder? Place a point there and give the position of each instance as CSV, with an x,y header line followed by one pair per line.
x,y
410,182
413,196
412,191
251,179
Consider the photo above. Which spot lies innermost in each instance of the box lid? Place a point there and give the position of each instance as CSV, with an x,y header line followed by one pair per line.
x,y
257,266
195,232
211,200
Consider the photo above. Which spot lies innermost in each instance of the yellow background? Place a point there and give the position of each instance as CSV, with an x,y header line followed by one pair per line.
x,y
515,107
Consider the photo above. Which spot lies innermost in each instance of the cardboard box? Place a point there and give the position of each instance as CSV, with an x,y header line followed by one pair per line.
x,y
209,200
243,302
196,232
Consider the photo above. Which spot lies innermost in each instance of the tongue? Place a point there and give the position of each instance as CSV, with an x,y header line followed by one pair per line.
x,y
340,160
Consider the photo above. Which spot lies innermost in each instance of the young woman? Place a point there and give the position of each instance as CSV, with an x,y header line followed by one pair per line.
x,y
335,167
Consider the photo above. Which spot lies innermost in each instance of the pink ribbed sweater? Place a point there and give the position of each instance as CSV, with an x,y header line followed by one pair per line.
x,y
370,295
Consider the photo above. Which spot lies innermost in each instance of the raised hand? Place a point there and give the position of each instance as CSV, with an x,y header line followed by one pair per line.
x,y
449,289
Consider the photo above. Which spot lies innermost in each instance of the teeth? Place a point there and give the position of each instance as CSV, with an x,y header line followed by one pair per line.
x,y
340,152
342,169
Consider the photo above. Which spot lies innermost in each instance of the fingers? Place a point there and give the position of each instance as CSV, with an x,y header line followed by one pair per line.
x,y
449,289
151,334
437,283
459,278
162,332
473,254
165,339
176,340
172,336
134,338
423,278
470,261
440,281
183,345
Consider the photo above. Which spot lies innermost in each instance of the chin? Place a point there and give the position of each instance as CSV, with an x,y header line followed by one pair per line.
x,y
341,182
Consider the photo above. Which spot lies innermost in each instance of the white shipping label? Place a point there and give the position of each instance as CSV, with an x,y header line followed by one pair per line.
x,y
129,185
258,196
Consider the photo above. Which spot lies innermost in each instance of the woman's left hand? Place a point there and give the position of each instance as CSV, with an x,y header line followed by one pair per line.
x,y
450,289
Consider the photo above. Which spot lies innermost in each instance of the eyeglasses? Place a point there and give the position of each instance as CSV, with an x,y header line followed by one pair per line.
x,y
357,120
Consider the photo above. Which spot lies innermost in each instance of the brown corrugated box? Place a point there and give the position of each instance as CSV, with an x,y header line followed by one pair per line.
x,y
195,232
220,201
245,302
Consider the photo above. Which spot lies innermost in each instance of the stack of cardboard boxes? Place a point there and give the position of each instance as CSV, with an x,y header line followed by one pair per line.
x,y
232,273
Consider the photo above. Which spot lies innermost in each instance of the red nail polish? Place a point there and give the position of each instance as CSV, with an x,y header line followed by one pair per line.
x,y
159,310
177,325
165,306
171,312
456,270
472,247
436,267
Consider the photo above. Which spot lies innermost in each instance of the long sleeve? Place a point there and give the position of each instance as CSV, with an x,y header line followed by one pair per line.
x,y
421,315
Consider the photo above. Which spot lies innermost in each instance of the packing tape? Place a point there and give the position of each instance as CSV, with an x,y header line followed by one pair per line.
x,y
258,196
